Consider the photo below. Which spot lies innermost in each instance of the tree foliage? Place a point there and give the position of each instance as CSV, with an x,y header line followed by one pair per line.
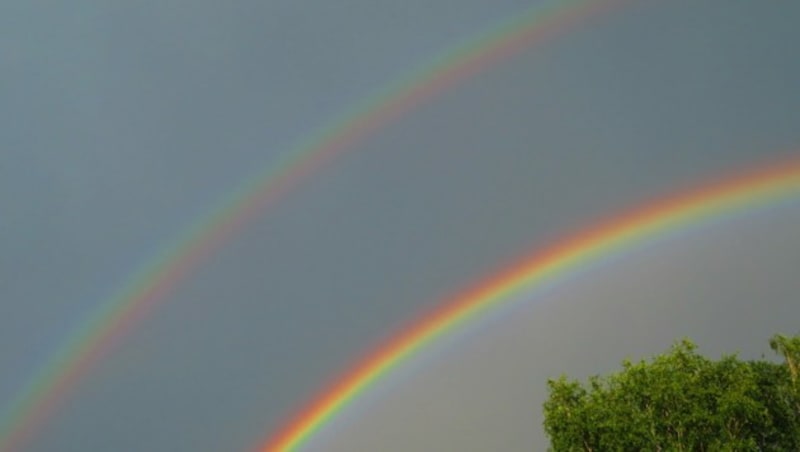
x,y
681,401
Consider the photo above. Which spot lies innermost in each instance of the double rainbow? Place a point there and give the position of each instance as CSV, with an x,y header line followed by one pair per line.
x,y
116,317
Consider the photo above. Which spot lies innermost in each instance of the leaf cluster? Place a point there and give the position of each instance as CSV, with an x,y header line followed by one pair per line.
x,y
681,401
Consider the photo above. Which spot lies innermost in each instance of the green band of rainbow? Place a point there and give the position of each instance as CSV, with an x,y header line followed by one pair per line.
x,y
117,316
769,184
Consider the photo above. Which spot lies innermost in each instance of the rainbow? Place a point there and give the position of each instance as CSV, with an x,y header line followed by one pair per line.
x,y
116,317
764,186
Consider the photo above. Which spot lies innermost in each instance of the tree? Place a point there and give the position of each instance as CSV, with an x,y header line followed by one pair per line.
x,y
789,347
681,401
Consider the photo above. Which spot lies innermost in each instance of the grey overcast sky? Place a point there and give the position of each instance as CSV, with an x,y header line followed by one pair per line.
x,y
123,123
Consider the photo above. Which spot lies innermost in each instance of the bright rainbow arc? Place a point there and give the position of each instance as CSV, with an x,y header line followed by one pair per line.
x,y
113,319
770,184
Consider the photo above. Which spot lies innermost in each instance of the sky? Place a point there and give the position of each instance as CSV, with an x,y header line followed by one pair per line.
x,y
125,123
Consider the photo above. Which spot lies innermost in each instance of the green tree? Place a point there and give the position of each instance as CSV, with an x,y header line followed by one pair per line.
x,y
789,347
681,401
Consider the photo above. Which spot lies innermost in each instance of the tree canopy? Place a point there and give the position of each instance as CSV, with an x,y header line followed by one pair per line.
x,y
681,401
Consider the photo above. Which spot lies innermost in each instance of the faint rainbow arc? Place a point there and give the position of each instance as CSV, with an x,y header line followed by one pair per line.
x,y
764,185
113,319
